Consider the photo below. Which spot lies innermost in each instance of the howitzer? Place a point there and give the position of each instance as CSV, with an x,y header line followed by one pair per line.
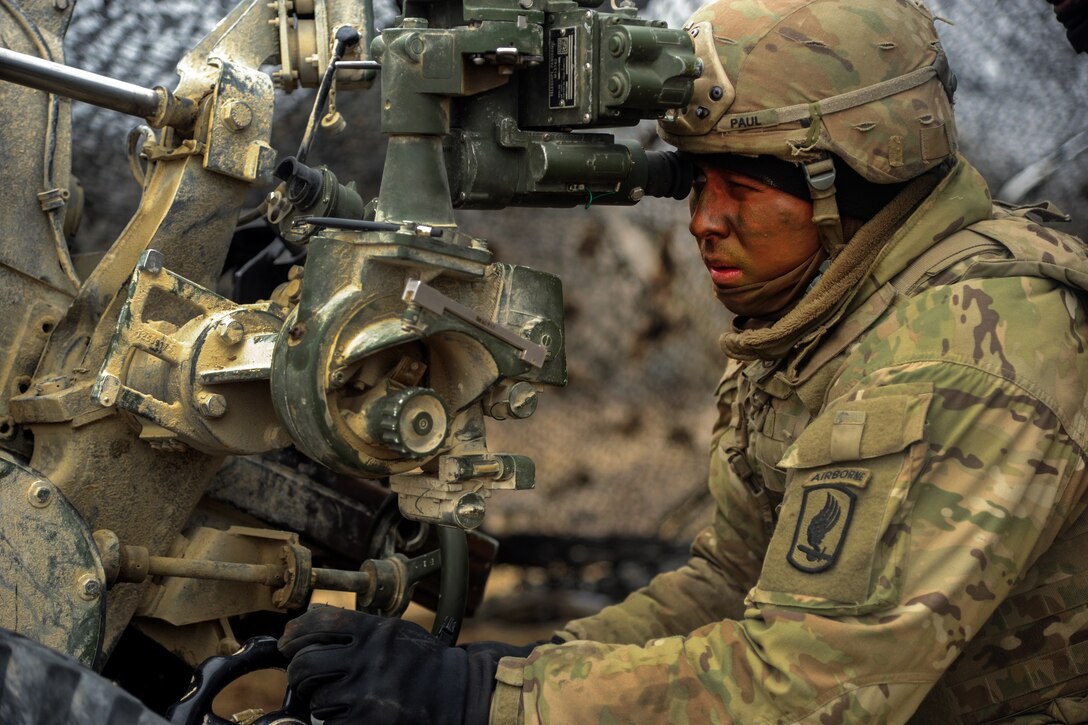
x,y
135,390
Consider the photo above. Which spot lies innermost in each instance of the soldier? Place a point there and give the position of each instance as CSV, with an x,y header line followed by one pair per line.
x,y
899,465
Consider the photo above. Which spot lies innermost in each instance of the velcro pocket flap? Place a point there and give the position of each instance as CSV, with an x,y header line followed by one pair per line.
x,y
885,420
841,537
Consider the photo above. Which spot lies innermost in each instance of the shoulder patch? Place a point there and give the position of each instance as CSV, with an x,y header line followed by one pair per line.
x,y
826,513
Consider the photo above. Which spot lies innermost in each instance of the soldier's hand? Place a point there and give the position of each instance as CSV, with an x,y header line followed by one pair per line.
x,y
1073,14
353,667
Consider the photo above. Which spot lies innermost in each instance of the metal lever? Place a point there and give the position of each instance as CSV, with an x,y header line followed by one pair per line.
x,y
430,299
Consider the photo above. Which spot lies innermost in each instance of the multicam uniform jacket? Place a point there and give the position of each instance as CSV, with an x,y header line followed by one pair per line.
x,y
881,492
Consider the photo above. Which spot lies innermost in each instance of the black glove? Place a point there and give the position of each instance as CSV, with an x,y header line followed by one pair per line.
x,y
354,667
1073,14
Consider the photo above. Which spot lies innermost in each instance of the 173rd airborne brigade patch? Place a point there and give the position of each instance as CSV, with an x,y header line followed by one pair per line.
x,y
827,510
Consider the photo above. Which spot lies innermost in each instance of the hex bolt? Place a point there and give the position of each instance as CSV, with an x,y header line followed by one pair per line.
x,y
212,405
414,46
637,194
152,261
237,116
526,4
40,494
61,5
231,332
89,587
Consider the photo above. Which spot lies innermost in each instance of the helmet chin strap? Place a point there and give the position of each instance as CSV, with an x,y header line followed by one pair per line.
x,y
820,176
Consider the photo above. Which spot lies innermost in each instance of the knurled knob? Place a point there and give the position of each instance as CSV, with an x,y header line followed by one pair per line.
x,y
412,421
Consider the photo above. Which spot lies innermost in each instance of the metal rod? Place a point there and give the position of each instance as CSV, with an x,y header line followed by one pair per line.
x,y
358,65
341,581
357,225
218,570
230,571
80,85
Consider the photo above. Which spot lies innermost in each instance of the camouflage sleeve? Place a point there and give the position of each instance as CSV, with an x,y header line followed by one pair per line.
x,y
914,502
724,564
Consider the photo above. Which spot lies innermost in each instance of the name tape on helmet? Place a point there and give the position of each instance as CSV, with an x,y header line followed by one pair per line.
x,y
834,104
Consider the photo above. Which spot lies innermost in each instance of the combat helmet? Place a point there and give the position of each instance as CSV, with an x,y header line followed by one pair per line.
x,y
809,80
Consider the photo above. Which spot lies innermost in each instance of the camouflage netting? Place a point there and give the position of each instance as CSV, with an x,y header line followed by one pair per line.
x,y
621,450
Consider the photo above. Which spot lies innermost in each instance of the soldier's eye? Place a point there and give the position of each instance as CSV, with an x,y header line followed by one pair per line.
x,y
742,187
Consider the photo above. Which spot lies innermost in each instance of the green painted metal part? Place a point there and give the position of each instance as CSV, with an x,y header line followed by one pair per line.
x,y
507,87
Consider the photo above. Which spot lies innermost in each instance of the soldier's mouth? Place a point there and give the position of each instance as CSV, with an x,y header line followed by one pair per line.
x,y
724,275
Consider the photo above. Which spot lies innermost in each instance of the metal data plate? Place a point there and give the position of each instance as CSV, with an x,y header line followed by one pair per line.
x,y
563,68
52,585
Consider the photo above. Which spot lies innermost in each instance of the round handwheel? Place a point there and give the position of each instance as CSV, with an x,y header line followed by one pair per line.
x,y
215,673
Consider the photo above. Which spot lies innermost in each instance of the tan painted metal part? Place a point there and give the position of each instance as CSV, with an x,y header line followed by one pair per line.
x,y
202,385
143,492
37,280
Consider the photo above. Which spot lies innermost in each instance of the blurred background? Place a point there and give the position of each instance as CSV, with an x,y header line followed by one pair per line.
x,y
621,451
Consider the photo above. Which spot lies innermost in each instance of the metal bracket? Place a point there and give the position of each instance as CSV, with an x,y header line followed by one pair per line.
x,y
223,344
426,297
458,495
134,332
241,124
53,199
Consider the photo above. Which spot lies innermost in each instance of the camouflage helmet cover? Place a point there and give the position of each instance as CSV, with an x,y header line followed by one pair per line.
x,y
865,80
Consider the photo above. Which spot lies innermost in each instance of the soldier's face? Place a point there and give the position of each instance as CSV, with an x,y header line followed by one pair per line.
x,y
748,232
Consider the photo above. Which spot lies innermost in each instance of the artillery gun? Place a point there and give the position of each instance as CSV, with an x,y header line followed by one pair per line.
x,y
143,409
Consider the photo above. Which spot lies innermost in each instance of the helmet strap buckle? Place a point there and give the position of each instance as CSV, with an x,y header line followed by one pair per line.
x,y
820,176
